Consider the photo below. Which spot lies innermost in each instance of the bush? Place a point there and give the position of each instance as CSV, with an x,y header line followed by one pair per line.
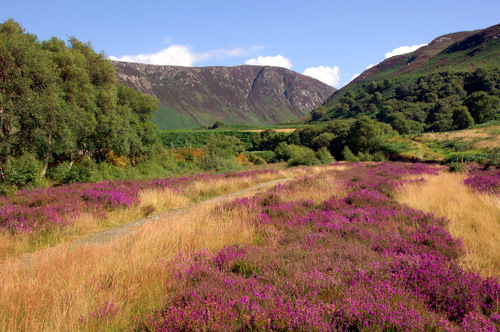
x,y
302,155
60,173
221,153
348,155
324,156
24,172
268,156
84,171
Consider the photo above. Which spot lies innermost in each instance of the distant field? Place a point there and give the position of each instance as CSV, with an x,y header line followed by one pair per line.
x,y
280,130
481,138
480,144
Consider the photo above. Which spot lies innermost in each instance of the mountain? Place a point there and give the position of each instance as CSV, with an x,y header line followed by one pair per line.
x,y
458,52
191,97
450,84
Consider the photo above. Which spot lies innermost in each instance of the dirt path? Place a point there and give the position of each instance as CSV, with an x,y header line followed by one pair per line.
x,y
107,235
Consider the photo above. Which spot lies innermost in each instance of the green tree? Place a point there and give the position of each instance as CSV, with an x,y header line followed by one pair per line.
x,y
399,122
482,107
462,118
317,114
323,140
30,113
365,135
442,118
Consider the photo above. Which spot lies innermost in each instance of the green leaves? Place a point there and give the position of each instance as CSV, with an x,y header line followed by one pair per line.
x,y
62,99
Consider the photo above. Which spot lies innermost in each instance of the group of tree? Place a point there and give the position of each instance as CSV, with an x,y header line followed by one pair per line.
x,y
61,100
436,102
342,139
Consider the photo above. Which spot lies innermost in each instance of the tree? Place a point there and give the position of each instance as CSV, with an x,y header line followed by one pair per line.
x,y
462,118
398,122
442,118
317,114
482,107
322,140
365,135
29,108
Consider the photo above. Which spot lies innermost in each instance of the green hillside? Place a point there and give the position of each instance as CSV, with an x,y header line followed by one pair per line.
x,y
453,83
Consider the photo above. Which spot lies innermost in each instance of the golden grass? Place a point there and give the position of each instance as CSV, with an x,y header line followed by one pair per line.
x,y
53,289
59,288
478,138
474,217
152,201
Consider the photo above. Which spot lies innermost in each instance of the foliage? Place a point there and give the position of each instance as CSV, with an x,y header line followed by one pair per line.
x,y
268,156
59,100
324,156
221,153
439,101
198,138
24,172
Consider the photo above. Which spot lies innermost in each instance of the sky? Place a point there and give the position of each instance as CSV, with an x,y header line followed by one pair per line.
x,y
332,41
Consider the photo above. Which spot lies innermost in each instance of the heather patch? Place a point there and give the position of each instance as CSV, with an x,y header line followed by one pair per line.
x,y
32,210
484,181
361,262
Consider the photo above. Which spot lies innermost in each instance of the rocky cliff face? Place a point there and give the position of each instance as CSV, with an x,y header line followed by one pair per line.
x,y
192,97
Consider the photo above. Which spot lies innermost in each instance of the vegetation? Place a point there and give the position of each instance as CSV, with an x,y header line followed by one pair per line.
x,y
60,102
437,102
330,250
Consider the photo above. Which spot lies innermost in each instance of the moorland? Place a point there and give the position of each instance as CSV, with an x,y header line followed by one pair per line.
x,y
378,211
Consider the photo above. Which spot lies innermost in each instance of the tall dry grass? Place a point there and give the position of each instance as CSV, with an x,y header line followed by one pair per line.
x,y
106,286
68,288
474,217
151,201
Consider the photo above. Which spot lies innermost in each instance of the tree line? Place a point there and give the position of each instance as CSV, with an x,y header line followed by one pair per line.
x,y
61,100
436,102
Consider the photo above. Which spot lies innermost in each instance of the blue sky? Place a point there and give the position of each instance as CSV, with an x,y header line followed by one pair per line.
x,y
330,40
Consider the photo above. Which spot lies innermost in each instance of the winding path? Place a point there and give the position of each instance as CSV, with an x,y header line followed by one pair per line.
x,y
109,234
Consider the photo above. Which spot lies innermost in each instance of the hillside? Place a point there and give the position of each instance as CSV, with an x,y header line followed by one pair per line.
x,y
252,95
458,52
453,83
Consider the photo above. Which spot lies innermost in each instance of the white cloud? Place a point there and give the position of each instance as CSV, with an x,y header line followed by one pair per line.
x,y
353,78
183,55
403,50
277,61
327,75
370,66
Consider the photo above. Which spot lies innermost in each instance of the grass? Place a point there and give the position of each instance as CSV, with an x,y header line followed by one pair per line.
x,y
474,217
54,289
150,201
65,286
330,244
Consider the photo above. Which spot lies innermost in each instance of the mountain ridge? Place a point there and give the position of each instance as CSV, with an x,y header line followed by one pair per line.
x,y
198,96
439,47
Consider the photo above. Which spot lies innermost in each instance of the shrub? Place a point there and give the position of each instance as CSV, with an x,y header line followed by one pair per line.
x,y
348,155
324,156
301,155
268,156
60,173
24,172
84,171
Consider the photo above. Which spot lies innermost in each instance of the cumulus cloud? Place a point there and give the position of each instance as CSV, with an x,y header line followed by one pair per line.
x,y
327,75
277,61
403,50
183,55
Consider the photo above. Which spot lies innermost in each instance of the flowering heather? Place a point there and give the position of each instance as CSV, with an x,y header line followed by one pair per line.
x,y
351,263
32,210
484,181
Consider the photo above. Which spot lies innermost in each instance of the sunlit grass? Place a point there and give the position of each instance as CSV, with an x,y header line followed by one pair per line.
x,y
61,288
474,217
